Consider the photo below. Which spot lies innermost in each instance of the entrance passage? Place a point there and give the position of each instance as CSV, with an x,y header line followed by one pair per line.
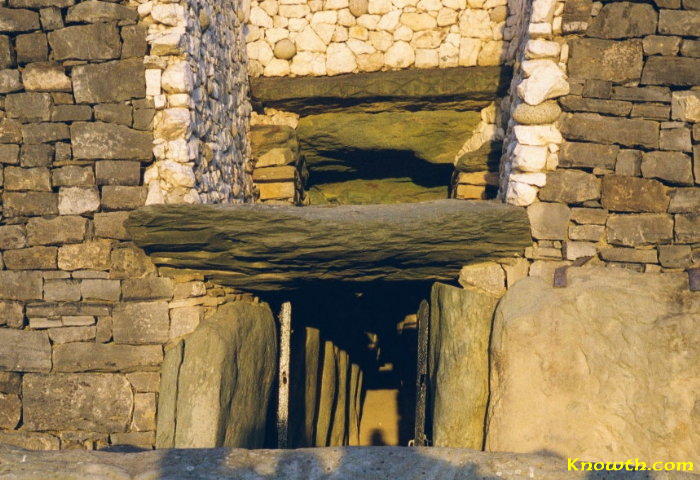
x,y
353,364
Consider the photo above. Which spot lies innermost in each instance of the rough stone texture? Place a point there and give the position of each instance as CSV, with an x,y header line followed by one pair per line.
x,y
641,229
624,20
611,130
567,363
224,381
616,61
98,357
460,325
91,402
141,322
630,194
104,140
449,232
363,463
24,351
570,186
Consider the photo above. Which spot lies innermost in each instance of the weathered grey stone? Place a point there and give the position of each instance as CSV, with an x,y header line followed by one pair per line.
x,y
660,45
639,229
44,132
57,230
86,42
104,140
685,106
10,410
576,103
134,37
11,314
110,172
117,197
144,381
590,233
38,155
10,81
341,463
678,71
629,163
215,406
12,236
29,203
629,255
433,136
596,89
24,350
72,176
674,167
91,402
113,113
29,107
10,382
90,255
588,155
109,82
7,58
684,200
71,334
616,61
546,112
576,15
37,179
558,383
71,113
690,48
483,277
32,258
94,11
100,289
51,18
595,216
111,225
9,154
40,3
570,186
29,440
631,194
78,200
144,416
20,285
623,20
105,357
18,20
687,228
31,47
600,129
651,111
147,288
60,290
10,131
65,310
679,22
141,323
46,77
167,398
420,247
130,262
549,221
675,256
460,326
677,139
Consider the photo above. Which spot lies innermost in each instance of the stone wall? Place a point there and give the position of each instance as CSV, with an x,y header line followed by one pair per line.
x,y
331,37
608,158
197,81
84,313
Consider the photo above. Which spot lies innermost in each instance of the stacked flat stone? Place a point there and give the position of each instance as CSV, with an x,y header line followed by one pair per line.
x,y
279,173
625,191
197,81
83,312
331,37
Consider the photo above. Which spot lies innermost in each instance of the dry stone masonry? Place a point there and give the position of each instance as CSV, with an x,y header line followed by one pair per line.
x,y
331,37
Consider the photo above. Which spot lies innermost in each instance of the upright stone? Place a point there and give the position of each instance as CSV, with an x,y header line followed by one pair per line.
x,y
460,327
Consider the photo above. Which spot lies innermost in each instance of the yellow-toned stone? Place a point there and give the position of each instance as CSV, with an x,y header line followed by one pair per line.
x,y
274,174
471,192
478,178
276,190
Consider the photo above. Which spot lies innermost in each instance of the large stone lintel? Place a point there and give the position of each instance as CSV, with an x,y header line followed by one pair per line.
x,y
459,88
261,247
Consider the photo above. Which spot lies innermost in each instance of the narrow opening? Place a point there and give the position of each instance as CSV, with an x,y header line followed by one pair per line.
x,y
353,367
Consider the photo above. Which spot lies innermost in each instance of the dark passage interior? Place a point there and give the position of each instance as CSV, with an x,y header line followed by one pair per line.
x,y
353,364
375,176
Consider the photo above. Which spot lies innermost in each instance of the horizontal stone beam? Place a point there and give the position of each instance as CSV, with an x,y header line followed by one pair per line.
x,y
459,88
261,247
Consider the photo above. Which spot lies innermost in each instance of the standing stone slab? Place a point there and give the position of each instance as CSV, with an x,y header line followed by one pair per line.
x,y
604,369
96,402
226,377
460,326
167,398
24,351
